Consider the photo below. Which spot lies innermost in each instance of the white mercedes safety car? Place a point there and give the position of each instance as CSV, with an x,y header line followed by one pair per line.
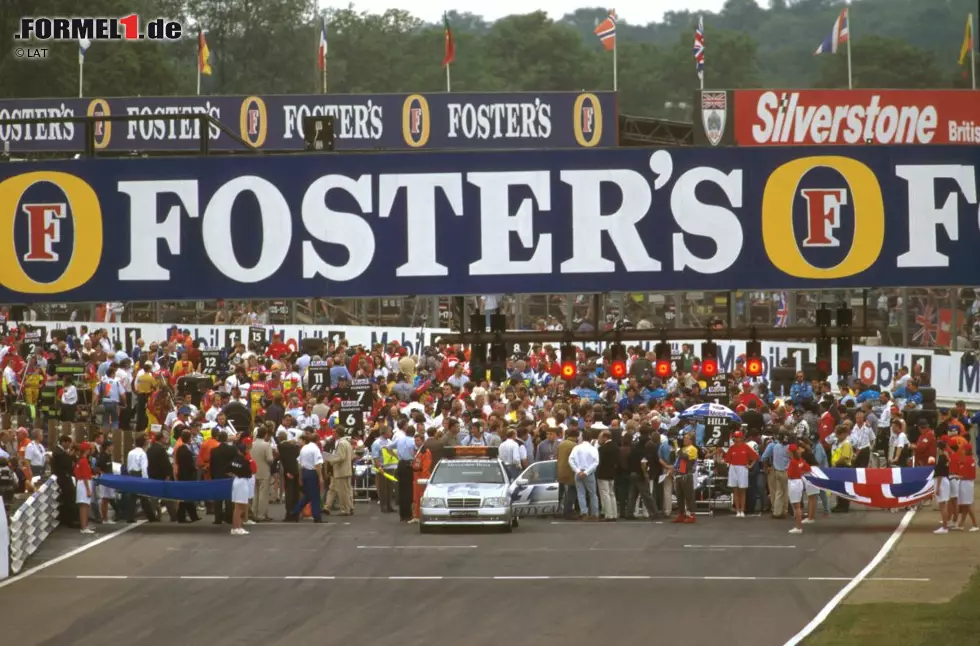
x,y
469,486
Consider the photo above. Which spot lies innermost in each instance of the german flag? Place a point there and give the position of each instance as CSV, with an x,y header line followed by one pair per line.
x,y
203,55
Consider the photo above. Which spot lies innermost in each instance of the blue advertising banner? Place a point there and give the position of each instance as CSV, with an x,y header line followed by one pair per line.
x,y
387,224
361,121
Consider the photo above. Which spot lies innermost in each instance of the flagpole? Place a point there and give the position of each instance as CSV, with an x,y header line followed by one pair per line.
x,y
850,36
616,65
81,74
199,74
449,82
973,52
324,74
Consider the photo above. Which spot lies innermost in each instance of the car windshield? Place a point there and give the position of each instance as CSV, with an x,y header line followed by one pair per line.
x,y
449,472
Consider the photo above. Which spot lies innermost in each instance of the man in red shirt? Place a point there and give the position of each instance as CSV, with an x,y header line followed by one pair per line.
x,y
747,396
825,427
925,446
276,348
740,458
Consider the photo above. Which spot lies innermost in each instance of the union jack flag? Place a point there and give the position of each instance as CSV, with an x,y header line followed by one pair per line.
x,y
782,311
699,48
882,488
928,326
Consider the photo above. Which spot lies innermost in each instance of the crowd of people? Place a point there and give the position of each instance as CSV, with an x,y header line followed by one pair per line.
x,y
622,448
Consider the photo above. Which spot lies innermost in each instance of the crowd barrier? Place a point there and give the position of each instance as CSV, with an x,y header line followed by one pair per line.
x,y
32,523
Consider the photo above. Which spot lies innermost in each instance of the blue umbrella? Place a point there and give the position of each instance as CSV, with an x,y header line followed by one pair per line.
x,y
710,410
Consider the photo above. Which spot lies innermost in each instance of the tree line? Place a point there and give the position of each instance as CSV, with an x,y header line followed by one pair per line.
x,y
269,47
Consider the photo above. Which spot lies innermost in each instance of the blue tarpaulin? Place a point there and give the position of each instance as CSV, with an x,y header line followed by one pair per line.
x,y
170,490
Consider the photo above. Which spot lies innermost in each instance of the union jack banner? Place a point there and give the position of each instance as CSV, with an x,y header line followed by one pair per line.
x,y
882,488
925,320
782,311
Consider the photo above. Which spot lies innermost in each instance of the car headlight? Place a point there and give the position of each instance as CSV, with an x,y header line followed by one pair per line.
x,y
433,503
494,502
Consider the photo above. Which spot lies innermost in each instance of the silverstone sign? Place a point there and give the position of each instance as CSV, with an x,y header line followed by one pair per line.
x,y
361,122
835,117
451,223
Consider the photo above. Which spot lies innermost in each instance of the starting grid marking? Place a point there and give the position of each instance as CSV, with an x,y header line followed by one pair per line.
x,y
639,577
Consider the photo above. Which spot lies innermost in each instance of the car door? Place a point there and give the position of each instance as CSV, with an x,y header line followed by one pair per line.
x,y
540,495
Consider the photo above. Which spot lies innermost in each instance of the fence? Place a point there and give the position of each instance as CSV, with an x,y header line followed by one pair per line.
x,y
906,317
32,523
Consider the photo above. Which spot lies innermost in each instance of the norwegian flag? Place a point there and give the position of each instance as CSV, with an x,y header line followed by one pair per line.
x,y
882,488
925,319
838,35
606,31
699,48
782,311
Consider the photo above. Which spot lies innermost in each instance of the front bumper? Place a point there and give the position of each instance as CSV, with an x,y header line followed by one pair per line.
x,y
483,516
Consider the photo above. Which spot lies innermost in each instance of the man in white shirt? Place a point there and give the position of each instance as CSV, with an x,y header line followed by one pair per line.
x,y
35,454
311,475
69,400
862,438
897,443
584,460
510,454
138,467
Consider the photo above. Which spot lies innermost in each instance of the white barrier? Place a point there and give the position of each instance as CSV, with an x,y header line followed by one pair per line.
x,y
32,523
874,364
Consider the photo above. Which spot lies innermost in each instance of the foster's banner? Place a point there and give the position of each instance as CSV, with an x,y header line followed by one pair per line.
x,y
361,121
835,117
584,221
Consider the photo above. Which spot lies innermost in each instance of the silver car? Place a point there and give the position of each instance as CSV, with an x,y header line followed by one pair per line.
x,y
468,492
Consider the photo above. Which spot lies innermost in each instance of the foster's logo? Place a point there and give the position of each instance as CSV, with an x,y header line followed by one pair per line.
x,y
103,129
50,231
587,120
416,121
823,217
253,123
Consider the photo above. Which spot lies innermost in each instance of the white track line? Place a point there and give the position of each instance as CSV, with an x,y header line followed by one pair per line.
x,y
741,547
417,547
847,589
68,555
614,577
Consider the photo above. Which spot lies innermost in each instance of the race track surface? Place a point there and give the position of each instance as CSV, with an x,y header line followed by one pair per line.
x,y
368,577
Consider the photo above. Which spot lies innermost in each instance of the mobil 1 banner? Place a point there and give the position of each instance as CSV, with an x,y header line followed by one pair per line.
x,y
717,431
361,122
351,417
361,391
716,390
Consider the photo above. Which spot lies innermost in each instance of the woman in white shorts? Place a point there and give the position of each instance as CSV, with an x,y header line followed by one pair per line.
x,y
941,474
968,474
797,468
83,486
242,473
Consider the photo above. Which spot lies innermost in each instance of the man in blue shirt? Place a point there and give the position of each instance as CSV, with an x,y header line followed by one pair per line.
x,y
776,456
801,391
404,448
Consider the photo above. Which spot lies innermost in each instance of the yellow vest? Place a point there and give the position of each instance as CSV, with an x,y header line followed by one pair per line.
x,y
844,450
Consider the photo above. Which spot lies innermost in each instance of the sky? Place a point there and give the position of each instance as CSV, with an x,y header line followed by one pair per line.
x,y
635,12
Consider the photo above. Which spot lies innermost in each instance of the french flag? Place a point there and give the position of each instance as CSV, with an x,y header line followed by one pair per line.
x,y
322,56
837,36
